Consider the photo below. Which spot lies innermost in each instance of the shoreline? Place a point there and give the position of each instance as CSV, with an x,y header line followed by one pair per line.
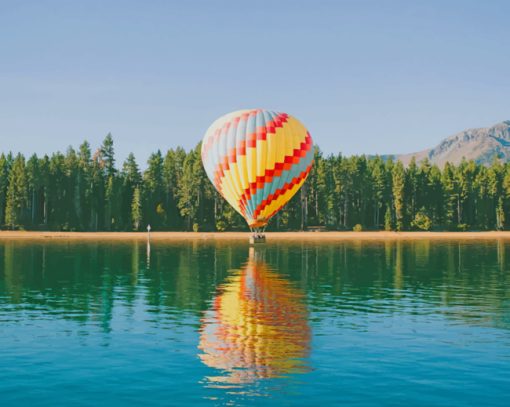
x,y
310,236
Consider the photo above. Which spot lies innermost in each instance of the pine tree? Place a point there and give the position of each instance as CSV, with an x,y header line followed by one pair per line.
x,y
97,193
505,185
378,180
17,193
84,186
107,156
44,167
388,224
494,190
398,195
60,197
450,196
483,202
153,203
500,214
433,197
71,191
136,209
412,187
172,173
107,163
34,182
5,166
131,179
188,190
341,191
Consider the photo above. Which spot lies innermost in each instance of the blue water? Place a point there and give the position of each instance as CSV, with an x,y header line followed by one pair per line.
x,y
417,323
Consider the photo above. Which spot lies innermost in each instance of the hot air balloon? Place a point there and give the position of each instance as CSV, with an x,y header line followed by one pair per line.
x,y
257,160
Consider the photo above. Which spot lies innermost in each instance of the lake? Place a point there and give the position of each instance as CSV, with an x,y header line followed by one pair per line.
x,y
106,323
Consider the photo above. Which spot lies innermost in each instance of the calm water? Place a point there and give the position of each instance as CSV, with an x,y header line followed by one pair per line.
x,y
357,323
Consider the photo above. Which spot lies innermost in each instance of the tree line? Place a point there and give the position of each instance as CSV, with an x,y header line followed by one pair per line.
x,y
83,190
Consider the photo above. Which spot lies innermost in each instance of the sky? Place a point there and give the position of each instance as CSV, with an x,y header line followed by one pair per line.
x,y
365,77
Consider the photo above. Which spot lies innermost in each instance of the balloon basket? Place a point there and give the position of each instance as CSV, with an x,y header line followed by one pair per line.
x,y
258,238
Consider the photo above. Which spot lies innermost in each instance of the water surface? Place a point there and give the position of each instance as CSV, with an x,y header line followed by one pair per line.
x,y
358,323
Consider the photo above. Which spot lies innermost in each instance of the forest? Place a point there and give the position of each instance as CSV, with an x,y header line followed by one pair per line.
x,y
83,190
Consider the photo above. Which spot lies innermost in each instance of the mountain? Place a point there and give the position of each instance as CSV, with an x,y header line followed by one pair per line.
x,y
480,145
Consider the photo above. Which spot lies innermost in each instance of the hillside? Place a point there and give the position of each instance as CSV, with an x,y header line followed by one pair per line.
x,y
480,145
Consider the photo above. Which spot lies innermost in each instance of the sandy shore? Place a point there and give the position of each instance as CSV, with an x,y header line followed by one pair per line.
x,y
7,235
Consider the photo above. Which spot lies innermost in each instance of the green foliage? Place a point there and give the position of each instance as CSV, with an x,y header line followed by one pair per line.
x,y
357,227
81,190
153,189
136,209
5,166
221,226
17,193
388,224
398,178
462,227
107,154
189,190
421,221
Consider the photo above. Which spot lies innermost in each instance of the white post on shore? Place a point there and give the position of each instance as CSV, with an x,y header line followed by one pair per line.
x,y
148,246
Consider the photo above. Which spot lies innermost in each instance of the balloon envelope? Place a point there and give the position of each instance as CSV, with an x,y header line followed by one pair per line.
x,y
257,160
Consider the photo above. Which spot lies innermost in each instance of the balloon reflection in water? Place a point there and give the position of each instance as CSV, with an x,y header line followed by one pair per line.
x,y
256,328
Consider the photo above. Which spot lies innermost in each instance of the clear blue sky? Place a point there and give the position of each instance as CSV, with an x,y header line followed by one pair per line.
x,y
363,76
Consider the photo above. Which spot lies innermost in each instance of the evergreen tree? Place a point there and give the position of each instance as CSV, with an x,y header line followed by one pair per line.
x,y
97,193
398,195
131,181
106,159
412,186
388,224
84,187
5,166
494,191
17,194
189,198
44,166
379,182
153,204
34,189
172,174
433,197
107,156
136,209
71,191
450,196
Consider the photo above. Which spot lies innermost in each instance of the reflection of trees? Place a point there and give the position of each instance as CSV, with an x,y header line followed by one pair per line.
x,y
61,279
85,281
256,328
467,280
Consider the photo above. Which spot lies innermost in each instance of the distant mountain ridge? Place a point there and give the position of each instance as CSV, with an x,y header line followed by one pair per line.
x,y
480,145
